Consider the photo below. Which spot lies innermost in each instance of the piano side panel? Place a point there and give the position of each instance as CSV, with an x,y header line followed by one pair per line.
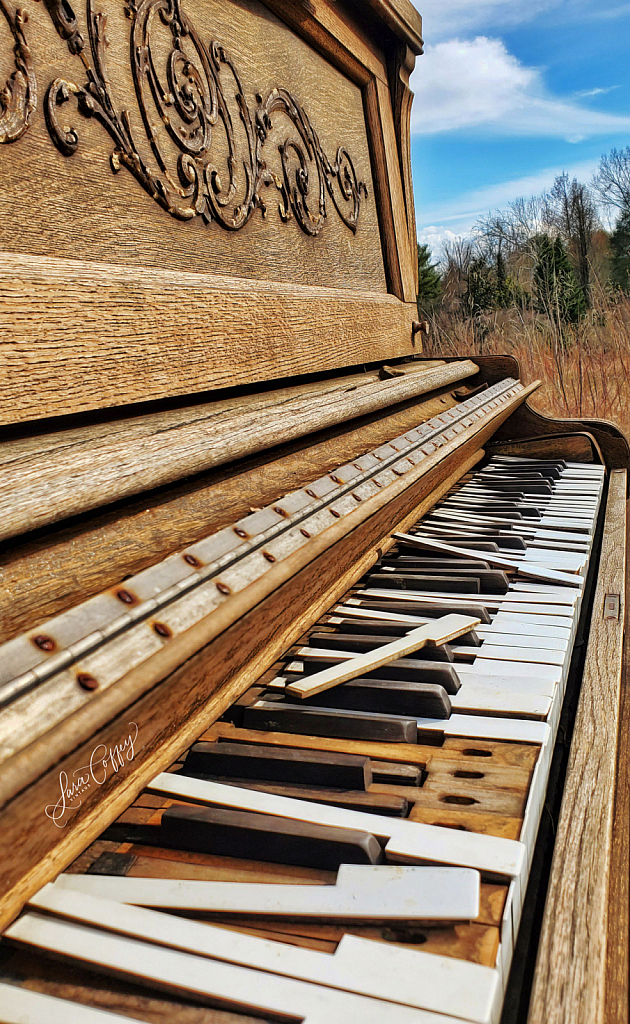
x,y
570,980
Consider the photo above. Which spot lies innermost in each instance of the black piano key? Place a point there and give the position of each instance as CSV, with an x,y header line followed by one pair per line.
x,y
347,641
439,563
397,629
491,507
269,716
421,700
424,608
411,670
278,764
389,773
491,581
401,581
480,541
353,800
228,833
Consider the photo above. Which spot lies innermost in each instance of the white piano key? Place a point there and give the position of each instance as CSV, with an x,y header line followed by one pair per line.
x,y
537,625
485,667
530,655
523,639
361,893
479,700
508,682
407,841
567,600
240,988
501,561
480,727
410,979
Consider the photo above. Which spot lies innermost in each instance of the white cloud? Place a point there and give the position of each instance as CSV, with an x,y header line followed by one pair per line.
x,y
443,18
463,212
596,92
477,84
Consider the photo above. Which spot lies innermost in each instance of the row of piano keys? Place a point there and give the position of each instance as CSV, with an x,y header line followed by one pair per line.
x,y
441,747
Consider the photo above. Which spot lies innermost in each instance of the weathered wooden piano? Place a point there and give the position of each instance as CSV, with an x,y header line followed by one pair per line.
x,y
312,692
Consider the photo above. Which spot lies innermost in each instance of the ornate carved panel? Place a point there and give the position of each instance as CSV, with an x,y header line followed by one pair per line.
x,y
232,123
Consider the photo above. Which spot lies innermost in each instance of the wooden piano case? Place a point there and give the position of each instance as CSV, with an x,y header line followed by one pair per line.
x,y
207,302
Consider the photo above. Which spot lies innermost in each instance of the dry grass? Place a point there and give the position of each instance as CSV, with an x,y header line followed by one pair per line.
x,y
586,373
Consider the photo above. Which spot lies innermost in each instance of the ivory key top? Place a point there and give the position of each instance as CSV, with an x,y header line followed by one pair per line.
x,y
439,631
361,893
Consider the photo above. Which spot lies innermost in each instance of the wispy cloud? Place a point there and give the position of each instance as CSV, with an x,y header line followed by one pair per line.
x,y
458,216
477,84
444,18
596,92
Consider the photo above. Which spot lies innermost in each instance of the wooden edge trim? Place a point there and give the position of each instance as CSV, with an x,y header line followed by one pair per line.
x,y
237,332
617,981
44,480
33,849
569,983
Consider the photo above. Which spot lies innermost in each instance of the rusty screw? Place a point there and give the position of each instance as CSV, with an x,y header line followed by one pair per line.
x,y
192,560
45,643
86,681
162,630
269,556
223,588
125,597
239,532
305,533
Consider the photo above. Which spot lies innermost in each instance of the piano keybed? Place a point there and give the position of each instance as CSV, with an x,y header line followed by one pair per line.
x,y
358,852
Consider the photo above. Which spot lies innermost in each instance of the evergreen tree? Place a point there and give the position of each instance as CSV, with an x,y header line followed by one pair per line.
x,y
429,280
480,288
557,292
620,252
503,292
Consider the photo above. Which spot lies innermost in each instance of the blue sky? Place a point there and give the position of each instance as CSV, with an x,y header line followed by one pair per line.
x,y
509,94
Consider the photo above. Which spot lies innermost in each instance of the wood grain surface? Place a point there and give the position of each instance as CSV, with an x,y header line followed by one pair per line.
x,y
617,982
47,574
54,476
76,336
87,212
569,984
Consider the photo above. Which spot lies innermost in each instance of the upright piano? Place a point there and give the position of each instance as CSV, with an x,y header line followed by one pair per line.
x,y
313,701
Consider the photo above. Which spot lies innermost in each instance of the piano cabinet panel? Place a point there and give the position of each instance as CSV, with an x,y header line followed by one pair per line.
x,y
256,226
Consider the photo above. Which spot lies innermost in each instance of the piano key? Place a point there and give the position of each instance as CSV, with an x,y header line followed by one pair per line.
x,y
351,725
408,977
230,833
26,1006
423,609
306,767
240,988
357,644
487,581
312,660
385,696
502,561
354,800
495,635
509,681
531,655
360,893
360,625
406,842
479,699
483,727
440,631
567,600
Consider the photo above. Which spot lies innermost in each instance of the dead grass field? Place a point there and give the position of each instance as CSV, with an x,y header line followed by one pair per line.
x,y
586,373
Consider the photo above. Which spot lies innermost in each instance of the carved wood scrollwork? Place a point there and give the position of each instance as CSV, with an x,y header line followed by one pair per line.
x,y
188,97
18,97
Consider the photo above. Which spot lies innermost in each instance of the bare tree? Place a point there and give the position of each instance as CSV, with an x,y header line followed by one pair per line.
x,y
612,181
570,212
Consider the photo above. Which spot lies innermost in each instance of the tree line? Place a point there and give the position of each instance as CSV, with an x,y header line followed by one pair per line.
x,y
545,254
